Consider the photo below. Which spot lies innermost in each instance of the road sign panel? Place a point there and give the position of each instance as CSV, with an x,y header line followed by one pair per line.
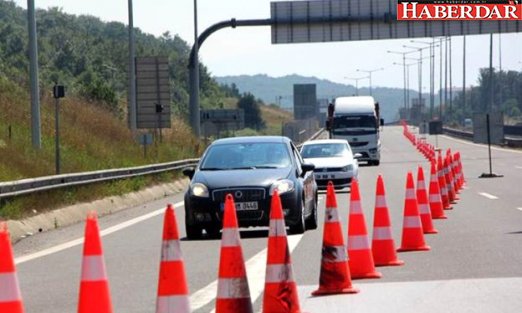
x,y
153,92
341,20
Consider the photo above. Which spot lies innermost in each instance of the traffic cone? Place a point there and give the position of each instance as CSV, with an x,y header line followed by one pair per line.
x,y
280,294
94,287
449,185
335,274
442,184
10,296
172,284
360,258
233,294
383,246
422,201
462,178
412,236
453,176
437,211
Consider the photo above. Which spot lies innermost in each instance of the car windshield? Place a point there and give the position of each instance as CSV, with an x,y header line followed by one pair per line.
x,y
329,150
246,156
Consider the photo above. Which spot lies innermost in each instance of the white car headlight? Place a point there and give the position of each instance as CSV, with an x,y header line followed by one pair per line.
x,y
199,190
347,168
282,186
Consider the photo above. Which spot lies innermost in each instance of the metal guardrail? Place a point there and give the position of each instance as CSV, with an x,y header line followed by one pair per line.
x,y
509,141
31,185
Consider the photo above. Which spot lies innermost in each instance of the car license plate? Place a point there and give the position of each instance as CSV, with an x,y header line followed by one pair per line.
x,y
246,206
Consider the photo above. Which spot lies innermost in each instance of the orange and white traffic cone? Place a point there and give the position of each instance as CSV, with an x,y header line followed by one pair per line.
x,y
412,236
383,246
449,184
94,287
233,294
422,201
172,284
10,296
453,176
436,208
459,162
280,294
442,184
335,274
360,258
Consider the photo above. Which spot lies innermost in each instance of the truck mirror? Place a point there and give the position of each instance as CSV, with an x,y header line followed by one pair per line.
x,y
382,122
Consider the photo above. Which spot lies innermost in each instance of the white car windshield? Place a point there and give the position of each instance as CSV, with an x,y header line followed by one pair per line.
x,y
329,150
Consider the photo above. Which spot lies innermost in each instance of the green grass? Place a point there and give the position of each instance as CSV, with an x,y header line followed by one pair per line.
x,y
91,139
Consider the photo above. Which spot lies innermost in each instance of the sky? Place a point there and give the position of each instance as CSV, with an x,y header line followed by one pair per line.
x,y
249,50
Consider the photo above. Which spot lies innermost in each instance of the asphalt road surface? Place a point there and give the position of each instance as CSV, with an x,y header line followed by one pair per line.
x,y
475,264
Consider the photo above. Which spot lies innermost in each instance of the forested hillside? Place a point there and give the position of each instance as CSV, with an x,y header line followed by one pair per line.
x,y
90,57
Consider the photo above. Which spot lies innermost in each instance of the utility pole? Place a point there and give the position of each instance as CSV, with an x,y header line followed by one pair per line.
x,y
404,75
33,73
451,77
440,78
446,73
491,89
194,77
132,73
464,74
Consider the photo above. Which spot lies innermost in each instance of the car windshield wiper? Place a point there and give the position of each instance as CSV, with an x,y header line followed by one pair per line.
x,y
266,166
212,169
242,168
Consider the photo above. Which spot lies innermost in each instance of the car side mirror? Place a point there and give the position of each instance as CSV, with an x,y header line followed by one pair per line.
x,y
188,171
307,167
357,156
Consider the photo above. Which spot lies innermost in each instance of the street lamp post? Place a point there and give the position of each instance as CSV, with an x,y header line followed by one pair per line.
x,y
404,72
357,79
369,72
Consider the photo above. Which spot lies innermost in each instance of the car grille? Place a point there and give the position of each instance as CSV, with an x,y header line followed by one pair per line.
x,y
247,194
358,143
336,182
328,169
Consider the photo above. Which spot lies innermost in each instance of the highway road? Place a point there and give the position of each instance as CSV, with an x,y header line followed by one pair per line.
x,y
475,264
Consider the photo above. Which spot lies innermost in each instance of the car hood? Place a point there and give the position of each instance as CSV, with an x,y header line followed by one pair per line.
x,y
330,162
236,178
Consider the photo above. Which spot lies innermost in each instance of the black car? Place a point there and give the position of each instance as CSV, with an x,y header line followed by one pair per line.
x,y
250,168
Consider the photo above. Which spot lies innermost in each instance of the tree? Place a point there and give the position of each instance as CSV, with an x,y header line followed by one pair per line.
x,y
252,111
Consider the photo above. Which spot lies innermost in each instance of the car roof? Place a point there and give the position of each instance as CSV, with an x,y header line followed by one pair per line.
x,y
252,139
325,141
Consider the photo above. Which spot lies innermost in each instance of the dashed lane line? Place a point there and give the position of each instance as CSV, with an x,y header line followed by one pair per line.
x,y
519,167
79,241
255,268
520,209
487,195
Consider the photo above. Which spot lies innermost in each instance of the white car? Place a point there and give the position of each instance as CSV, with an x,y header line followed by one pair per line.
x,y
333,160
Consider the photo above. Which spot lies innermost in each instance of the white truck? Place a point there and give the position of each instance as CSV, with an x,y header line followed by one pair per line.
x,y
356,119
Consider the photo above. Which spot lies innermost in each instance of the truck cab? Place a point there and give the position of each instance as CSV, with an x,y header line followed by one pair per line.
x,y
356,120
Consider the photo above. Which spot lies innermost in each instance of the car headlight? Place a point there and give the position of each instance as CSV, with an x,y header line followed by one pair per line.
x,y
282,186
199,190
347,168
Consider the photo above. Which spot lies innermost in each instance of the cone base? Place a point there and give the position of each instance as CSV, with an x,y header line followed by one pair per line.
x,y
408,249
454,201
442,217
449,208
431,231
367,275
325,292
391,263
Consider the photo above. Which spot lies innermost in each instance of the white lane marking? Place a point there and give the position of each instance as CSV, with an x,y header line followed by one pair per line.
x,y
105,232
320,198
519,167
255,268
487,195
520,209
